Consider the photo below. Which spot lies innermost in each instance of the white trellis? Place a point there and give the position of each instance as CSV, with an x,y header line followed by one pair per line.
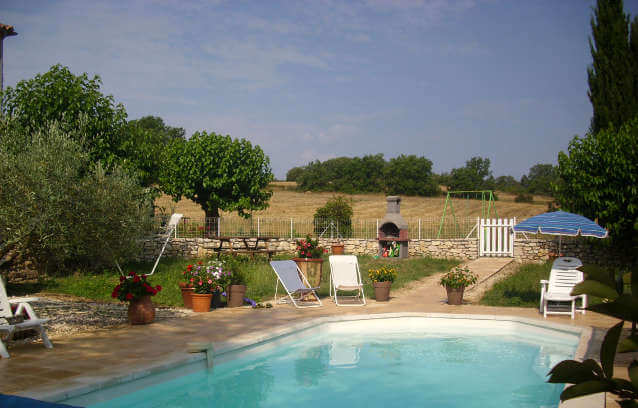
x,y
496,237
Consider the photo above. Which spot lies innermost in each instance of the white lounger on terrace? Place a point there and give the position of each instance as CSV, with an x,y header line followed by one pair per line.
x,y
558,290
295,284
345,276
31,322
170,230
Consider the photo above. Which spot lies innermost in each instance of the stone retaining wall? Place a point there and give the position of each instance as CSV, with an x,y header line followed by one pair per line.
x,y
204,247
525,250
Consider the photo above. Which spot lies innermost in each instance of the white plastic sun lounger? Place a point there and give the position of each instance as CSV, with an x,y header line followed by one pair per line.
x,y
170,229
345,276
558,288
295,284
23,307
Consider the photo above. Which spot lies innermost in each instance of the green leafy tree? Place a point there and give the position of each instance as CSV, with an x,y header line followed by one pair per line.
x,y
589,377
599,175
613,72
344,174
540,179
295,173
60,209
508,184
58,95
144,144
410,175
476,175
337,210
217,172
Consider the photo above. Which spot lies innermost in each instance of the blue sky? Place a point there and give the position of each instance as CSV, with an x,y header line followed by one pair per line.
x,y
448,80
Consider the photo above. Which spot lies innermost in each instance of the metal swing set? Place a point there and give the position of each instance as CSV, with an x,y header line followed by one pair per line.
x,y
488,205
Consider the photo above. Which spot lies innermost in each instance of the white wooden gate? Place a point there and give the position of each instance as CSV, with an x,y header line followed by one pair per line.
x,y
496,237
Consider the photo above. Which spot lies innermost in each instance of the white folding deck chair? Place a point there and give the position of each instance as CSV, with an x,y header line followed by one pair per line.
x,y
295,284
32,323
345,276
170,229
558,289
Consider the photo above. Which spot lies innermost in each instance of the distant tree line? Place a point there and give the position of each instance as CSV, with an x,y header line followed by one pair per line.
x,y
412,175
409,175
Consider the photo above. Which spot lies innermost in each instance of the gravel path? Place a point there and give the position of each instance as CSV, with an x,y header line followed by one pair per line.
x,y
69,316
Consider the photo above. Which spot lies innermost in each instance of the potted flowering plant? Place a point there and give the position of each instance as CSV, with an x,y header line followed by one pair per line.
x,y
455,282
207,281
186,285
309,259
137,290
382,279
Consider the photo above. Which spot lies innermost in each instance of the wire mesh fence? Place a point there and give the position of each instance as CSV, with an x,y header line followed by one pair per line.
x,y
360,228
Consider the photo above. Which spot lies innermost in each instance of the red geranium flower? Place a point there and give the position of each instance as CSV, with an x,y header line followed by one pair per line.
x,y
136,279
158,287
129,296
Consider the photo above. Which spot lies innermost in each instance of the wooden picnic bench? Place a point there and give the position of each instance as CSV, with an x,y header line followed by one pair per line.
x,y
248,247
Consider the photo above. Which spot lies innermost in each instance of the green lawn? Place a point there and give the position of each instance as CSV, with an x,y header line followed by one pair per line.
x,y
260,278
523,287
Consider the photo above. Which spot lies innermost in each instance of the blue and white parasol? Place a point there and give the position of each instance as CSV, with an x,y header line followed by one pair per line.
x,y
561,223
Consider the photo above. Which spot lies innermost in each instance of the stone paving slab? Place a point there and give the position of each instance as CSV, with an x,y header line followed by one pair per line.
x,y
94,356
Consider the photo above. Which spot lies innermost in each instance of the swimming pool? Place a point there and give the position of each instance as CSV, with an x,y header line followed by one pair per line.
x,y
371,362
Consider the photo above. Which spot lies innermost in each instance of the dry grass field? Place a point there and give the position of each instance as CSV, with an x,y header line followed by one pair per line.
x,y
286,202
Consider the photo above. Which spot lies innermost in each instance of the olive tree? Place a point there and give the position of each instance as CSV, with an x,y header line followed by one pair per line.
x,y
217,172
60,209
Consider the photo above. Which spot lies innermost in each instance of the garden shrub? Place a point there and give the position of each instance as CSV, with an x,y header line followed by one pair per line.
x,y
337,210
59,209
524,198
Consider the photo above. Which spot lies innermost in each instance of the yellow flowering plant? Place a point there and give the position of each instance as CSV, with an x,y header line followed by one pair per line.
x,y
459,277
382,274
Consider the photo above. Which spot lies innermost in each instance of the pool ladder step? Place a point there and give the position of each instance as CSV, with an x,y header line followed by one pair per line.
x,y
203,347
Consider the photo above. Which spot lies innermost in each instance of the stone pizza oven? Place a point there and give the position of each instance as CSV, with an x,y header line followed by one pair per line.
x,y
393,228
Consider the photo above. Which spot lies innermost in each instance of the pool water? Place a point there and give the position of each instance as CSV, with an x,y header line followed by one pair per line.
x,y
351,366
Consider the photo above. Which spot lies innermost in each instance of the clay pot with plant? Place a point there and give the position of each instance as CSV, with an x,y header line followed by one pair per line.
x,y
455,283
236,284
137,290
206,282
382,279
309,259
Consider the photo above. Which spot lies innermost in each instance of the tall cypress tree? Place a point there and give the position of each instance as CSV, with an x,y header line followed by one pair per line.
x,y
611,79
633,53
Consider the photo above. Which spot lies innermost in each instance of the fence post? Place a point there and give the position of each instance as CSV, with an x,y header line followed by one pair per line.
x,y
377,228
419,228
291,228
219,226
258,234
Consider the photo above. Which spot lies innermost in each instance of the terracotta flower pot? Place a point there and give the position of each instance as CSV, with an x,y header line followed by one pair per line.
x,y
236,295
187,297
141,311
201,302
337,249
382,291
311,267
455,295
